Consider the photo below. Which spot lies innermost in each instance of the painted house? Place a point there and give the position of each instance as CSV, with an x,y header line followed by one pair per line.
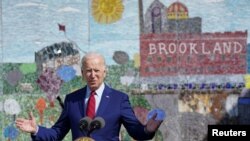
x,y
55,55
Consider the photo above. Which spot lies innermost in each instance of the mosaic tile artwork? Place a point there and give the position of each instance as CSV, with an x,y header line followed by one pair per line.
x,y
188,58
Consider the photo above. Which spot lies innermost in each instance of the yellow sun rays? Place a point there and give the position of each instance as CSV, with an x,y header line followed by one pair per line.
x,y
107,11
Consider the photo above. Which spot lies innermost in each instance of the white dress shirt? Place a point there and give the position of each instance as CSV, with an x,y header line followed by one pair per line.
x,y
98,96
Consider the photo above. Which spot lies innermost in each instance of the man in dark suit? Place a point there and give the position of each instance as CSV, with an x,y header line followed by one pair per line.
x,y
112,105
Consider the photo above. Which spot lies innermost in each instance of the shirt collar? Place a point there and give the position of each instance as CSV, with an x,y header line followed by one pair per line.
x,y
98,92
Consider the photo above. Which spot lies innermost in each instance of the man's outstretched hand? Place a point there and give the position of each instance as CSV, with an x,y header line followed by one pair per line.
x,y
27,125
153,124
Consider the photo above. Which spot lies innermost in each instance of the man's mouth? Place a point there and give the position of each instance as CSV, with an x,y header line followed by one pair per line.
x,y
92,82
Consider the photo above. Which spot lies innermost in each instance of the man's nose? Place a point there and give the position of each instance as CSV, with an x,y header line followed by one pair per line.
x,y
92,74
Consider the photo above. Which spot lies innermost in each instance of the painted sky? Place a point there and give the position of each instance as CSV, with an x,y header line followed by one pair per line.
x,y
30,25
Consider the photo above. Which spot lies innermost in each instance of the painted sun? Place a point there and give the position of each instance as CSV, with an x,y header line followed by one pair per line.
x,y
107,11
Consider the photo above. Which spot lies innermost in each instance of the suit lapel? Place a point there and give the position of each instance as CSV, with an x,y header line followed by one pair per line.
x,y
82,95
104,100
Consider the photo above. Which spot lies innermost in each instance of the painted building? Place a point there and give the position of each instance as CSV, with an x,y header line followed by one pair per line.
x,y
55,55
172,43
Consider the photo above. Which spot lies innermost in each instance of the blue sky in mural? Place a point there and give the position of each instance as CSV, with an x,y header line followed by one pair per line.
x,y
30,25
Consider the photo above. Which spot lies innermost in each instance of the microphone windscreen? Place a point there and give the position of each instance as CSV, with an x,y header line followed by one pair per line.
x,y
84,123
98,121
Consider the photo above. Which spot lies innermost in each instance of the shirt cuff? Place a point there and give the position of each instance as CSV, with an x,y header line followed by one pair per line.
x,y
147,132
34,134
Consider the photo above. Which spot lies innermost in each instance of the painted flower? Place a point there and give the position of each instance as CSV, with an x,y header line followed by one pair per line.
x,y
12,107
126,80
10,132
50,83
161,114
120,57
66,73
41,105
13,77
1,106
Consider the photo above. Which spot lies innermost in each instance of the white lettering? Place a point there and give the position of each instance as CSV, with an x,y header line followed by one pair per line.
x,y
215,132
172,48
184,49
237,47
203,49
162,47
152,49
193,48
226,47
244,133
217,48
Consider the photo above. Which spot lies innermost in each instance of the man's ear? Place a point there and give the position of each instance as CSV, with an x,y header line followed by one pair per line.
x,y
82,71
105,73
82,75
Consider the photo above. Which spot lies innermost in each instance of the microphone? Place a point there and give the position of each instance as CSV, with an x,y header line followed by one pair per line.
x,y
60,101
84,123
96,124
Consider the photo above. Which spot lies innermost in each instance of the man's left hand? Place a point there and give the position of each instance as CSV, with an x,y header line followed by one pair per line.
x,y
153,124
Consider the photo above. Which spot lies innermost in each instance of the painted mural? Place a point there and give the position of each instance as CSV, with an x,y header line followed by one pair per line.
x,y
189,58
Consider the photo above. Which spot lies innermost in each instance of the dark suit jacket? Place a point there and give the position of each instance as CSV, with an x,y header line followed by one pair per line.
x,y
114,108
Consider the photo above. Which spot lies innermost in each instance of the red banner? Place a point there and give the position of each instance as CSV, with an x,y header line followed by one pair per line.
x,y
186,54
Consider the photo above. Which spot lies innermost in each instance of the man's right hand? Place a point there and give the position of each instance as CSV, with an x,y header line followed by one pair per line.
x,y
27,125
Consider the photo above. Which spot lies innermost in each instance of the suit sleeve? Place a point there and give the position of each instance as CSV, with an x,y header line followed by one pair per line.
x,y
58,131
131,123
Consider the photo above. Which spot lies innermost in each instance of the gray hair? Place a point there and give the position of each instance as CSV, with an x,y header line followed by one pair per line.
x,y
91,54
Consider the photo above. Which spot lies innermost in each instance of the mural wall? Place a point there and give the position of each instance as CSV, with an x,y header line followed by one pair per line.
x,y
189,58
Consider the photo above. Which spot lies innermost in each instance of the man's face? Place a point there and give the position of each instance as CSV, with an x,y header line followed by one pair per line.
x,y
94,72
